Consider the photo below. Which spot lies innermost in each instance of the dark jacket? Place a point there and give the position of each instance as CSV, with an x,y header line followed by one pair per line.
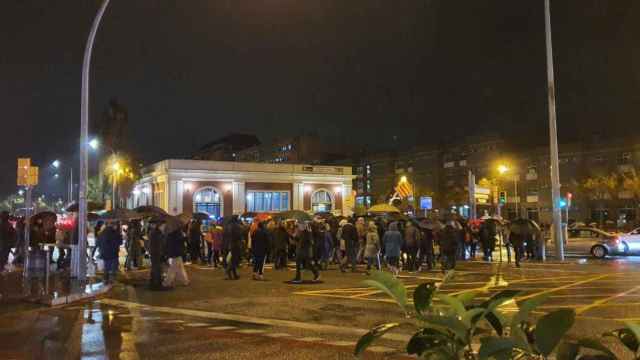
x,y
280,238
350,235
195,234
175,244
260,242
156,245
304,244
109,243
392,241
233,236
449,239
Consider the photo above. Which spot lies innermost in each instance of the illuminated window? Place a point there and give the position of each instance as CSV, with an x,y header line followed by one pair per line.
x,y
267,201
321,201
208,201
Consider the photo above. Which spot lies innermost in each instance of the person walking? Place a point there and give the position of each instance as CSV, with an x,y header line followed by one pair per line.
x,y
109,243
280,246
157,246
195,241
517,240
412,244
488,239
215,246
233,233
349,235
449,240
318,231
372,247
175,252
426,249
134,247
392,241
361,229
259,247
304,253
7,239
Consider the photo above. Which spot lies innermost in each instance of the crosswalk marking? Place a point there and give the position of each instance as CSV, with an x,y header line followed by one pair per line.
x,y
197,324
173,321
380,349
278,335
250,331
310,339
222,328
341,343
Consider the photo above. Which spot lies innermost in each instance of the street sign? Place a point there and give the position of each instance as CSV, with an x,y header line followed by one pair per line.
x,y
426,203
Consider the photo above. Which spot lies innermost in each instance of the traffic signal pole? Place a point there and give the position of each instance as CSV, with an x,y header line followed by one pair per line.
x,y
553,139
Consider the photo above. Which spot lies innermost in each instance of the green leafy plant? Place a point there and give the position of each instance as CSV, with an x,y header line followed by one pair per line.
x,y
452,327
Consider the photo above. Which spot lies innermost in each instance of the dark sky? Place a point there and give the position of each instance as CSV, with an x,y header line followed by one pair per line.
x,y
360,70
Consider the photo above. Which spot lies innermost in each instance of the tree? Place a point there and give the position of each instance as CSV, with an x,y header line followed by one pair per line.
x,y
95,190
631,185
600,188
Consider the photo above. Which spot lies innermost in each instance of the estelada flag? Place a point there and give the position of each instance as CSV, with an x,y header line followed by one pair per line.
x,y
404,189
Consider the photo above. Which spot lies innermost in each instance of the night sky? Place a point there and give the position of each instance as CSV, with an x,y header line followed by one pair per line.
x,y
360,70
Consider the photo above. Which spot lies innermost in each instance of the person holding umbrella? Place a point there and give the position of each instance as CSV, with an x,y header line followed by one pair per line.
x,y
157,246
108,244
304,253
349,235
372,247
175,252
259,246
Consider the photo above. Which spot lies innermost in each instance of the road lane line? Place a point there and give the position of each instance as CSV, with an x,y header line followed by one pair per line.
x,y
562,287
333,329
602,301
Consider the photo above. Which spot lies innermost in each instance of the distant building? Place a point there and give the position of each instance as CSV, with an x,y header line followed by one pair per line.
x,y
308,149
225,188
226,148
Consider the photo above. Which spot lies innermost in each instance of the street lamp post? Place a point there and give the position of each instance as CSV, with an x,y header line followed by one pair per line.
x,y
553,138
79,265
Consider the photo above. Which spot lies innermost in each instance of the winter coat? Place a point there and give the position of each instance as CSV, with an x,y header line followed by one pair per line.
x,y
233,233
372,246
280,238
260,242
304,245
217,242
449,239
175,244
109,243
156,245
350,235
392,241
426,243
411,237
195,234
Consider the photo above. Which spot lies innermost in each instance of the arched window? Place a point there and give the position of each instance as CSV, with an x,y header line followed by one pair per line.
x,y
208,200
321,201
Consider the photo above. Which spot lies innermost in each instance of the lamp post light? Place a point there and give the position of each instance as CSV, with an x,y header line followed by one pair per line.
x,y
503,169
79,263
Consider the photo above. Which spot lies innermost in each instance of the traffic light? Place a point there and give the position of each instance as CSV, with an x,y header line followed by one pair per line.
x,y
502,197
563,203
569,197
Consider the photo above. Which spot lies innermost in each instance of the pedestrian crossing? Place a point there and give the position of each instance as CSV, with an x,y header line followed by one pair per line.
x,y
240,329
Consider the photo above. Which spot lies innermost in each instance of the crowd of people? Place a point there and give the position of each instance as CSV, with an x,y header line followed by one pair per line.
x,y
377,243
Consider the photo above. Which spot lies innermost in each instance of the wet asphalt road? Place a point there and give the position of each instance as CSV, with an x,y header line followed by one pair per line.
x,y
218,319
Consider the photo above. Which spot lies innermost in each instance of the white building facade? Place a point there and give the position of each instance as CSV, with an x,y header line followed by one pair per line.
x,y
225,188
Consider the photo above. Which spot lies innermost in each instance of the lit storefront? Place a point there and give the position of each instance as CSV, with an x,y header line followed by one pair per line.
x,y
221,188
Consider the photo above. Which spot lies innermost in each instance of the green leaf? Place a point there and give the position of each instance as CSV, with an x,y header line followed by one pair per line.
x,y
423,295
595,344
526,307
467,297
427,340
500,298
495,347
520,339
551,328
450,323
454,303
567,351
495,322
373,335
472,316
635,330
626,337
393,287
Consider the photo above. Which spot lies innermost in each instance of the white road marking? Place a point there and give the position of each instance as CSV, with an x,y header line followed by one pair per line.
x,y
173,321
222,328
250,331
380,349
278,335
333,329
197,324
341,343
310,339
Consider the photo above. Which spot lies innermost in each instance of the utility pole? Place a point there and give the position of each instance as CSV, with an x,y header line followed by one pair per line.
x,y
79,256
553,138
472,196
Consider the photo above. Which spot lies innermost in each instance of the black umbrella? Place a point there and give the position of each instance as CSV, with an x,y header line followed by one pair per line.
x,y
249,215
524,227
200,216
119,214
44,216
150,210
293,215
91,206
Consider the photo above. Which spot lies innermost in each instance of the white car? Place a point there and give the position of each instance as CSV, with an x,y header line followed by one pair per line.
x,y
631,241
